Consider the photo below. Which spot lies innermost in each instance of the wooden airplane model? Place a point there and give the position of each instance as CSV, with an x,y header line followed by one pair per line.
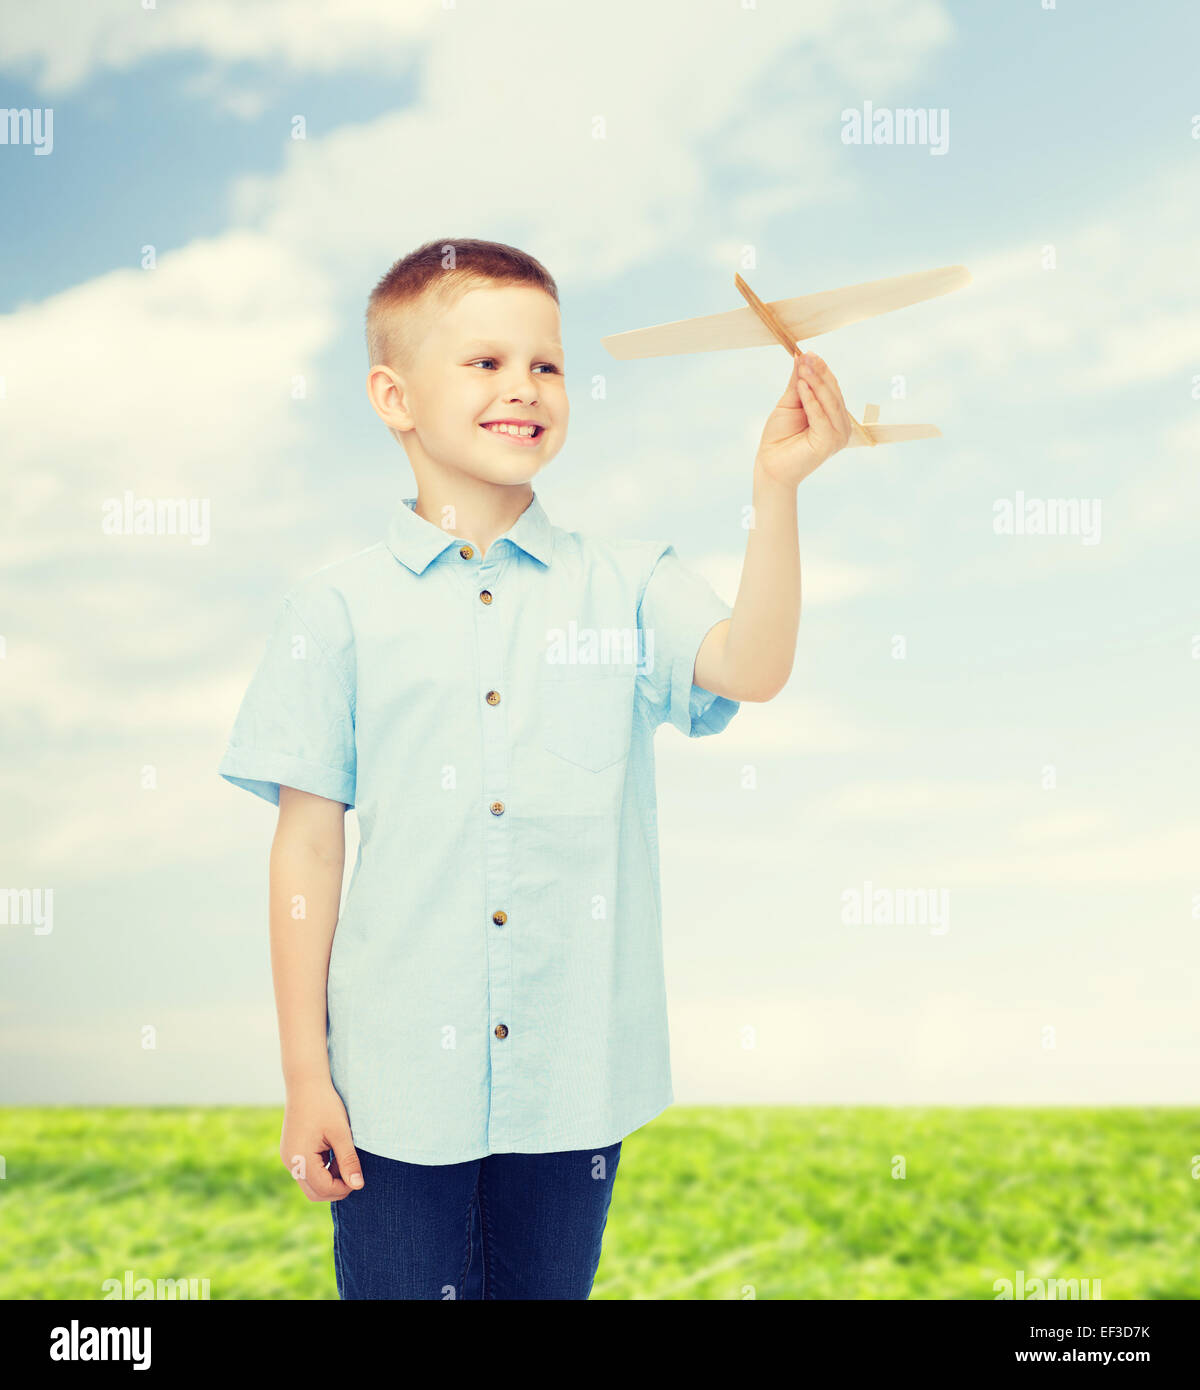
x,y
786,321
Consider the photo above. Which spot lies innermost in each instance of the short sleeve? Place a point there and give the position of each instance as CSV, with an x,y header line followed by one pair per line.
x,y
677,608
295,727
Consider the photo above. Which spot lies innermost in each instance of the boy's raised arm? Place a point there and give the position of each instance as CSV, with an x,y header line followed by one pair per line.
x,y
750,655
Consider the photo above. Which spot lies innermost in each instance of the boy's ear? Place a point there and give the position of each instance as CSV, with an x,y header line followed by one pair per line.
x,y
385,391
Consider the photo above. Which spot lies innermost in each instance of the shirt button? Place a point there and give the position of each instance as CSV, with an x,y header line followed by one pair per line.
x,y
485,596
501,1031
499,918
466,552
497,808
493,697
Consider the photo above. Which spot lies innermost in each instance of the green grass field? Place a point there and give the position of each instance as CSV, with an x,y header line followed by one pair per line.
x,y
709,1203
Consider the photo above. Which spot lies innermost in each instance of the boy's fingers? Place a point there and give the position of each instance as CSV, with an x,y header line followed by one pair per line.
x,y
790,396
814,407
345,1159
325,1185
839,411
320,1184
835,409
823,383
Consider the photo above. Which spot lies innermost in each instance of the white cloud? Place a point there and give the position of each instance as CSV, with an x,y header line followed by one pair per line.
x,y
1108,314
904,799
212,85
162,381
352,194
824,579
65,43
1136,860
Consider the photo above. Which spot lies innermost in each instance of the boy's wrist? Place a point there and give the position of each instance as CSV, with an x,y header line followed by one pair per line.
x,y
304,1078
765,485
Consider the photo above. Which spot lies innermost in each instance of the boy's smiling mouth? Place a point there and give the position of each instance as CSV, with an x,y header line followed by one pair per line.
x,y
525,432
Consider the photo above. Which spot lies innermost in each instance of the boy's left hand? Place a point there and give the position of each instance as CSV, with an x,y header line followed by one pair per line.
x,y
809,424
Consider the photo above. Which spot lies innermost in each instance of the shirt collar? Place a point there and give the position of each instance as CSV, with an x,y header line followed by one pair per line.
x,y
418,542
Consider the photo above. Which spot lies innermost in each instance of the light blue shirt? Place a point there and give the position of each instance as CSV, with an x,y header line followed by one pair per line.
x,y
496,980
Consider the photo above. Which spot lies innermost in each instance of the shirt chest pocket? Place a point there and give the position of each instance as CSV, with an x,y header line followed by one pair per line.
x,y
586,716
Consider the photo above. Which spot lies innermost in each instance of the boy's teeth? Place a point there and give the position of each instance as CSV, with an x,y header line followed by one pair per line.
x,y
525,430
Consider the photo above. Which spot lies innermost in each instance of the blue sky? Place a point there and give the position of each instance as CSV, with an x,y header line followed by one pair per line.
x,y
1032,756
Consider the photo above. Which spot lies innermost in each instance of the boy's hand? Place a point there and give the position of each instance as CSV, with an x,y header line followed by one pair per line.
x,y
808,425
315,1121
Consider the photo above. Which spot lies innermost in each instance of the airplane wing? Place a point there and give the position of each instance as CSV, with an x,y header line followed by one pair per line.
x,y
806,316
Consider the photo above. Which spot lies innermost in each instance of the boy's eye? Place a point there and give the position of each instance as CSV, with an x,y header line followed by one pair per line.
x,y
480,360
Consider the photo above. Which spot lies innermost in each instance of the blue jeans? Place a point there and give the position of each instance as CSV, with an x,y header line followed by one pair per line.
x,y
505,1226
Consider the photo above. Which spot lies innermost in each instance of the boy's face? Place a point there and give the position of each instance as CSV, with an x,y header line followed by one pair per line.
x,y
495,356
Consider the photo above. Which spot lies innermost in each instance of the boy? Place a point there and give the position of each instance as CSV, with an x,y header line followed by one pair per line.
x,y
489,1020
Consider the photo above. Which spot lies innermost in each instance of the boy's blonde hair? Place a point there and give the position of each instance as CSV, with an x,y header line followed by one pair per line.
x,y
431,280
